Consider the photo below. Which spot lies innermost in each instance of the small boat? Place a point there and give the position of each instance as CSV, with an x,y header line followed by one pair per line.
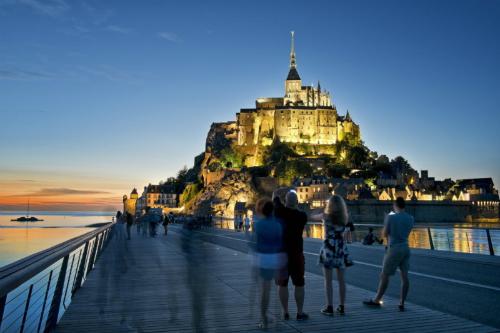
x,y
27,218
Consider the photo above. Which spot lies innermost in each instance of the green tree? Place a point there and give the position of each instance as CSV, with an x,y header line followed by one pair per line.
x,y
400,166
181,179
357,156
337,170
340,148
278,152
214,166
190,191
259,171
231,158
352,140
288,171
383,165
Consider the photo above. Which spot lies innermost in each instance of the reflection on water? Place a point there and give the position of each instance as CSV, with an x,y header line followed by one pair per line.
x,y
20,239
56,219
466,238
17,243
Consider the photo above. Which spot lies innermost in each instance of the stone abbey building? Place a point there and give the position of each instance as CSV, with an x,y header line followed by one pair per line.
x,y
305,114
305,118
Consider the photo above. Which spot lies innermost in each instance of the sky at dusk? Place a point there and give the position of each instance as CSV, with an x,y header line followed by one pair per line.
x,y
98,97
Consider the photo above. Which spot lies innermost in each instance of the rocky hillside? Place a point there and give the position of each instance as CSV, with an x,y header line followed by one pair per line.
x,y
223,195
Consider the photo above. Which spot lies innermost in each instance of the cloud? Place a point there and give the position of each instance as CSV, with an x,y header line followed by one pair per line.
x,y
81,29
93,204
98,16
111,206
52,192
170,36
52,8
118,29
112,74
21,74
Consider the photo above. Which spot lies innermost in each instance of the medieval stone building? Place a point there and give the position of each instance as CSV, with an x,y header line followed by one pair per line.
x,y
305,114
304,117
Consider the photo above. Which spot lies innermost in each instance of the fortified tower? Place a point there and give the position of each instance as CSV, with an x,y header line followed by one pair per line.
x,y
129,204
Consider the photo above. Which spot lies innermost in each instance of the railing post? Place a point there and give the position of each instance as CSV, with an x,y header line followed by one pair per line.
x,y
44,301
67,283
56,299
106,237
490,243
26,308
99,245
3,299
103,241
468,245
92,255
431,242
81,269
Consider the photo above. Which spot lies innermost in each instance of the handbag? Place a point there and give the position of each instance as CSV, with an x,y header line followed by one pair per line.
x,y
348,261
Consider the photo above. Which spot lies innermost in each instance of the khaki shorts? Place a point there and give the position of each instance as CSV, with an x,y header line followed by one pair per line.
x,y
397,256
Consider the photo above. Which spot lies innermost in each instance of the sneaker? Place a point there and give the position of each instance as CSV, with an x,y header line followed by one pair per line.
x,y
286,316
372,303
327,310
401,307
263,325
340,310
302,316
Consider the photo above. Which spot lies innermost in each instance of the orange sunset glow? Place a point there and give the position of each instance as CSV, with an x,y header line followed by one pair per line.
x,y
58,192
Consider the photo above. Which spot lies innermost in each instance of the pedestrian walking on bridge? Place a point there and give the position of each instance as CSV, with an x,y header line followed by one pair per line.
x,y
130,222
269,257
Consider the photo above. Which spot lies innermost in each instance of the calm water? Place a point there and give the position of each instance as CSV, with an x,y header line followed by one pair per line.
x,y
20,239
458,237
56,219
445,238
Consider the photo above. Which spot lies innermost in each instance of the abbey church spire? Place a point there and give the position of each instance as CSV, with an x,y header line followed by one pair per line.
x,y
293,63
293,74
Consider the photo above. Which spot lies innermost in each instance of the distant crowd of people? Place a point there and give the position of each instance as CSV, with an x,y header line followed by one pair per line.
x,y
242,222
279,254
146,224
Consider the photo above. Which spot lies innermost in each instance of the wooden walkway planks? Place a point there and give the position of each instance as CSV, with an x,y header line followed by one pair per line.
x,y
147,285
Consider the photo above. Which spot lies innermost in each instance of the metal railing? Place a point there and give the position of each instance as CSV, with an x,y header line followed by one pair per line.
x,y
36,291
455,239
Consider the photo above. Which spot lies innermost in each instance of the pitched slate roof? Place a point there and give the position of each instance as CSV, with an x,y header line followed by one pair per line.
x,y
293,74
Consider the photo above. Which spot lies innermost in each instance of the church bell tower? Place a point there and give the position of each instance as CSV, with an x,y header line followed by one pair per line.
x,y
293,82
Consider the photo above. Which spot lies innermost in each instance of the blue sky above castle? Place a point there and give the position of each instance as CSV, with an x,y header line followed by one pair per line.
x,y
125,91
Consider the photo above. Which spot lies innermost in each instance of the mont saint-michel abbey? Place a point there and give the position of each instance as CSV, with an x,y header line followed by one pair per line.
x,y
305,114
